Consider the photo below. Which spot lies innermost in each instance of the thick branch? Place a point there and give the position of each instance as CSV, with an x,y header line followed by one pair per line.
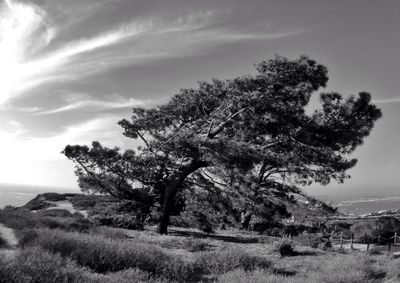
x,y
214,133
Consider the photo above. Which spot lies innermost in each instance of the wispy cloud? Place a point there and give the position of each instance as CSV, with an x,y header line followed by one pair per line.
x,y
387,100
28,61
89,103
23,30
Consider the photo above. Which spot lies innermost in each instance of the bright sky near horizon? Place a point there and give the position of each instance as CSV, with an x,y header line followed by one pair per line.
x,y
70,70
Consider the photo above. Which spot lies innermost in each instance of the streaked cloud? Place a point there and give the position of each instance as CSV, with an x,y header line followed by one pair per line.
x,y
387,100
24,29
29,61
85,102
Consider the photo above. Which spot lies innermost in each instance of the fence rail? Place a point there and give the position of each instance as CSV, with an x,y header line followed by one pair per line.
x,y
341,239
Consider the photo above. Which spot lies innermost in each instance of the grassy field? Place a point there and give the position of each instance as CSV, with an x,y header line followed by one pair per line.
x,y
73,250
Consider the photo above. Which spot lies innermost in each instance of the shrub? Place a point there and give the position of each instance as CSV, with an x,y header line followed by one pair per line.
x,y
26,237
226,260
8,273
338,269
20,219
254,276
313,240
195,245
353,268
107,255
55,212
84,202
204,223
127,221
17,218
125,276
108,232
285,246
202,220
37,265
308,240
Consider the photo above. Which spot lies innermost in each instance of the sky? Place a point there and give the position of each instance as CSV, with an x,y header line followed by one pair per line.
x,y
70,70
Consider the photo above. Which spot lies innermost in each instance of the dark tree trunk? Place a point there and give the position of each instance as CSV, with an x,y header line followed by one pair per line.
x,y
172,188
169,197
245,219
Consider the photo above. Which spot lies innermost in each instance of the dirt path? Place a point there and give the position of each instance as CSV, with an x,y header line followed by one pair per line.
x,y
8,235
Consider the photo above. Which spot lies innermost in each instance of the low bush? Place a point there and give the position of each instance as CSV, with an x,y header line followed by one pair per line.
x,y
285,246
36,265
17,218
126,220
353,268
20,219
84,202
196,245
109,232
217,262
253,276
7,270
313,240
308,240
107,255
26,237
125,276
201,220
55,212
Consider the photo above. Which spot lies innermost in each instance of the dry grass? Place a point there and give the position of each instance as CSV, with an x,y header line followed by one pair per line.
x,y
108,255
117,255
35,265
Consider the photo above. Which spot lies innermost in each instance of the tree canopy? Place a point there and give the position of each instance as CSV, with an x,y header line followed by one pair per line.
x,y
252,136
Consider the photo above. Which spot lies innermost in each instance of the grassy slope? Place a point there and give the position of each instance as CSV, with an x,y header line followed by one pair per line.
x,y
72,250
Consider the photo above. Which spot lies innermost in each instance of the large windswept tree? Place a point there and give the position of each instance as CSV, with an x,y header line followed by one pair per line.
x,y
250,136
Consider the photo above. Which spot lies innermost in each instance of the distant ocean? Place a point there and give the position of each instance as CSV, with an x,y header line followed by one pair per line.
x,y
18,195
369,204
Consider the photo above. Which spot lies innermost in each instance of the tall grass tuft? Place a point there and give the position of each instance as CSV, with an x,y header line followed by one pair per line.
x,y
217,262
20,219
354,268
255,276
37,265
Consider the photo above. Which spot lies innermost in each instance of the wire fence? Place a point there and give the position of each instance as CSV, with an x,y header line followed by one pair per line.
x,y
342,239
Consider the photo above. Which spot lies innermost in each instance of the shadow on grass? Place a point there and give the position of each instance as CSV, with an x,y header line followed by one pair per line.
x,y
307,253
4,244
224,238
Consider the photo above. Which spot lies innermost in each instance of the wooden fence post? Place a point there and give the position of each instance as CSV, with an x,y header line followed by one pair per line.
x,y
389,245
379,239
341,240
395,239
366,239
352,240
